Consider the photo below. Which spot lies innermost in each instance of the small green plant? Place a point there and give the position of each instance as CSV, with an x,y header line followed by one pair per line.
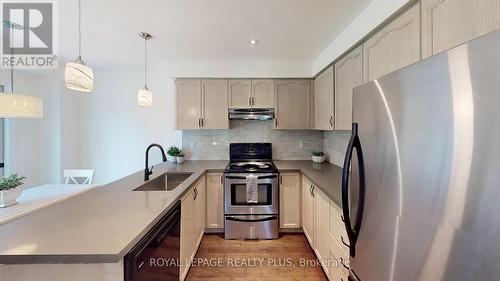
x,y
173,151
318,153
11,182
181,154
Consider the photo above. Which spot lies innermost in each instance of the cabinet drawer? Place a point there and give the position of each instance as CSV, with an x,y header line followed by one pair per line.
x,y
339,233
342,259
336,212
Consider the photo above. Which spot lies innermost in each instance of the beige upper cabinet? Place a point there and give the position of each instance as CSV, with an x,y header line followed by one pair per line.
x,y
348,74
240,92
215,98
262,93
293,104
324,100
215,201
289,200
202,104
394,47
449,23
188,93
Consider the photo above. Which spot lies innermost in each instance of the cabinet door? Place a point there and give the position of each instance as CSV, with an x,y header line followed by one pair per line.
x,y
188,94
293,102
240,92
215,201
321,226
324,100
215,98
307,211
200,211
263,93
187,232
289,200
449,23
394,47
348,74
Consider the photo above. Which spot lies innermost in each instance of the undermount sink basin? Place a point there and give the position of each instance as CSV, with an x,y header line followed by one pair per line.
x,y
165,182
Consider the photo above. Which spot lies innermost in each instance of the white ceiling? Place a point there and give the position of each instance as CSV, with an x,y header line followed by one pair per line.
x,y
202,30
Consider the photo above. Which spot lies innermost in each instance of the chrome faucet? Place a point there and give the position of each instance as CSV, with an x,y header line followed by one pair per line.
x,y
147,171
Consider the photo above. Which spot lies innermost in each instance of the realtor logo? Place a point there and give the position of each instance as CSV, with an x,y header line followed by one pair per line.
x,y
28,37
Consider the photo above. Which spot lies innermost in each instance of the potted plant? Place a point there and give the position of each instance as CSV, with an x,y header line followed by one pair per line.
x,y
172,153
180,157
318,157
9,190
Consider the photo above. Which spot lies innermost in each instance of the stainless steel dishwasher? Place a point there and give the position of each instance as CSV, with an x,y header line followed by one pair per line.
x,y
157,256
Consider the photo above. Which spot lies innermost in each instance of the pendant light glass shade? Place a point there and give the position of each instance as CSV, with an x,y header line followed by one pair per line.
x,y
20,106
145,97
79,77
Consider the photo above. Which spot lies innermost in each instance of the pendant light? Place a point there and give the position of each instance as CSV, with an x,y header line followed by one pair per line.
x,y
14,105
145,96
78,76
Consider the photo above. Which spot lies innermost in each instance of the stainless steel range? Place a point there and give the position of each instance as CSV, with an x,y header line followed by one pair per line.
x,y
251,192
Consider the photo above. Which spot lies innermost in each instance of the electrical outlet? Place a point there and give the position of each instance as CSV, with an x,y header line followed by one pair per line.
x,y
301,144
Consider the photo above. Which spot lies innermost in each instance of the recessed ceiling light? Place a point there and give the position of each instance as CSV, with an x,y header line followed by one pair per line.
x,y
254,42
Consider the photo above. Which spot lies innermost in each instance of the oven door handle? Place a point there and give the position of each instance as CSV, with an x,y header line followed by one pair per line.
x,y
269,218
244,178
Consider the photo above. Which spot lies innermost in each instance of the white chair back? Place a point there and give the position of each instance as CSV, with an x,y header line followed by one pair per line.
x,y
71,176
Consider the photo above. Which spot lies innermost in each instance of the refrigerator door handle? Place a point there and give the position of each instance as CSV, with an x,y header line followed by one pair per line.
x,y
353,232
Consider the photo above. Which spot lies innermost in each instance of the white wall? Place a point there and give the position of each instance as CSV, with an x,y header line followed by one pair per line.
x,y
373,15
33,145
115,130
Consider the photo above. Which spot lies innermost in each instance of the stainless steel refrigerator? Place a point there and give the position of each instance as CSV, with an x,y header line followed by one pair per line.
x,y
422,199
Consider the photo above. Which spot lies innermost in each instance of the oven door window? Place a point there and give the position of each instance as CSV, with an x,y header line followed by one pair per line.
x,y
239,195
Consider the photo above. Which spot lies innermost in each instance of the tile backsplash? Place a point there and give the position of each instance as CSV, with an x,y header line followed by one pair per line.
x,y
335,146
287,144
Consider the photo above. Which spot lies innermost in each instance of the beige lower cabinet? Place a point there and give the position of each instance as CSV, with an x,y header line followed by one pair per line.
x,y
215,201
393,47
307,209
293,104
193,210
348,74
321,228
289,200
449,23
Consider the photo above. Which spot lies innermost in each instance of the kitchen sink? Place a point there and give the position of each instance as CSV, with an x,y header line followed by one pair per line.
x,y
165,182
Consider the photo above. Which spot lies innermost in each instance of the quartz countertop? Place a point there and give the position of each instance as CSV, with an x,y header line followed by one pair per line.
x,y
103,225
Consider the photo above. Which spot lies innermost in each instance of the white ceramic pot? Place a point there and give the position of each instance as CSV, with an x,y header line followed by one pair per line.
x,y
171,159
8,197
318,159
180,159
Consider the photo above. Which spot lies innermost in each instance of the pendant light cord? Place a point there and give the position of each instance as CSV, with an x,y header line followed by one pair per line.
x,y
11,61
145,62
79,29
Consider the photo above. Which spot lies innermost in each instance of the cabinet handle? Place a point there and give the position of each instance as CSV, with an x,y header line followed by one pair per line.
x,y
275,122
312,193
331,121
195,194
343,264
253,100
203,122
250,101
221,179
281,180
343,242
199,122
